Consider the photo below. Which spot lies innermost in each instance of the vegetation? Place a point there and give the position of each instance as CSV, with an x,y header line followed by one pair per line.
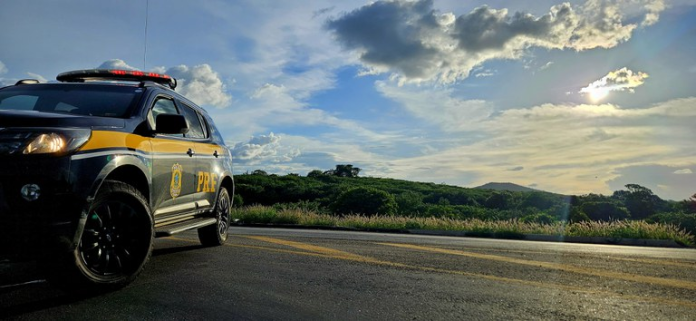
x,y
339,194
514,228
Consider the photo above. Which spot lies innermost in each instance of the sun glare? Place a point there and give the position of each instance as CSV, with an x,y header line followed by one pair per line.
x,y
597,94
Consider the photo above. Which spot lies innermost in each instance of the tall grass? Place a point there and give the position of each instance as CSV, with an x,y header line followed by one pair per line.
x,y
508,228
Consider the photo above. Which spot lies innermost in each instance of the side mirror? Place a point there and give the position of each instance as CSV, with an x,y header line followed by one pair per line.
x,y
171,124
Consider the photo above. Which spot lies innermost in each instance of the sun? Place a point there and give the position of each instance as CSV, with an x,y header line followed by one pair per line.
x,y
597,94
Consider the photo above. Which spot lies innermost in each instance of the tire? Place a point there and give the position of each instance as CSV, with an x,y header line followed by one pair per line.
x,y
216,234
115,245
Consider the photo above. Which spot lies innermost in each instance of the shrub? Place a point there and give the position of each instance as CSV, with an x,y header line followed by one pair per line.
x,y
542,218
237,200
365,200
682,220
605,211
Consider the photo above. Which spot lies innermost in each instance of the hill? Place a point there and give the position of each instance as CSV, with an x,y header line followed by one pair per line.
x,y
506,187
340,192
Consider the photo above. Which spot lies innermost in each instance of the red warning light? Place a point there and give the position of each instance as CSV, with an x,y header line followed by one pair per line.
x,y
116,74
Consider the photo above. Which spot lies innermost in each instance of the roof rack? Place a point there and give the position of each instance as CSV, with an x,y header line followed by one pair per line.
x,y
116,74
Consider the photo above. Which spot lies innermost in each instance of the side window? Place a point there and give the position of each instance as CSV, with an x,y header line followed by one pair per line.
x,y
162,106
195,128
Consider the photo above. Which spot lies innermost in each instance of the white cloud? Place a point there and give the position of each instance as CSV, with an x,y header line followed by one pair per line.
x,y
308,153
415,43
484,73
201,84
657,177
437,106
4,81
546,66
565,148
684,171
263,148
617,80
37,77
116,64
12,81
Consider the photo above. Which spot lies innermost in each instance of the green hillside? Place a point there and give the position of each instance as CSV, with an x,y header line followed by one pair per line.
x,y
341,191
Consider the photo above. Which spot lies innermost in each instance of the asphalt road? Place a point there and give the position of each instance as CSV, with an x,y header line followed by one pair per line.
x,y
311,275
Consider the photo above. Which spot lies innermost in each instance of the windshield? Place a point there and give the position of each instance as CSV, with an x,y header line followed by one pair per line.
x,y
88,100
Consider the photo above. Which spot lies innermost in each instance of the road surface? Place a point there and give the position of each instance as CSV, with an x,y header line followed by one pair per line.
x,y
292,274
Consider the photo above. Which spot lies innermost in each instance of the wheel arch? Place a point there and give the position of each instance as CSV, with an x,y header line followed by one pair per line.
x,y
134,176
228,183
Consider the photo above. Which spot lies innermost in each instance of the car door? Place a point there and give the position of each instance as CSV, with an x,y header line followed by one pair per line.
x,y
207,178
173,166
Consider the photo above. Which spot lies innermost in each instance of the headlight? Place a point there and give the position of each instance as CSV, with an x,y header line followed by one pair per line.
x,y
45,144
32,141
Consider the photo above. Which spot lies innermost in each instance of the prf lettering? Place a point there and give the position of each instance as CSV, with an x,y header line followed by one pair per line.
x,y
206,182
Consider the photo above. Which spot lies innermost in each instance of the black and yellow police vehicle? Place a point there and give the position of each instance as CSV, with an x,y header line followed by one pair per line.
x,y
97,164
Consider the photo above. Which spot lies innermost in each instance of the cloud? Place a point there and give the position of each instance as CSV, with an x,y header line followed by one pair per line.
x,y
414,42
617,80
323,11
12,81
37,77
516,169
484,73
3,81
116,64
573,149
546,66
684,171
438,106
659,178
201,84
263,148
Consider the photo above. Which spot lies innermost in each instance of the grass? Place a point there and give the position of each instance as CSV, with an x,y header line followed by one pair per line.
x,y
474,227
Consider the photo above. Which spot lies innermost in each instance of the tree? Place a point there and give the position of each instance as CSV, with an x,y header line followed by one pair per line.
x,y
344,171
259,172
689,205
409,202
365,200
604,211
640,201
540,200
315,173
499,200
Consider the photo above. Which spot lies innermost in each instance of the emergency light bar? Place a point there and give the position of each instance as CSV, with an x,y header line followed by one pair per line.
x,y
115,74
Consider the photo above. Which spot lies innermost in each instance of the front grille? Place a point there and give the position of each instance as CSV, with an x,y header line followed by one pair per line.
x,y
12,142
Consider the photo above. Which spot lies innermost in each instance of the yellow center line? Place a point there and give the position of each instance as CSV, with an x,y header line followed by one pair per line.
x,y
264,248
684,263
657,262
318,251
557,266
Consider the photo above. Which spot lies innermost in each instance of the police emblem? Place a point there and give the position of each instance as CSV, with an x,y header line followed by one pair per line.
x,y
175,186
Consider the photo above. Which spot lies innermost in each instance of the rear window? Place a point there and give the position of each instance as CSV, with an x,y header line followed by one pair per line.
x,y
88,100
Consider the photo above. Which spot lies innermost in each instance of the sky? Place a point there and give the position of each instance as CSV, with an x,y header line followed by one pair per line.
x,y
570,97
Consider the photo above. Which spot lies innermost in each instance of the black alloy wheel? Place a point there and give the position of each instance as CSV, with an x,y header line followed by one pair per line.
x,y
216,234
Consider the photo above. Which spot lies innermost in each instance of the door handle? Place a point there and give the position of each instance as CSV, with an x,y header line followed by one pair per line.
x,y
190,152
215,153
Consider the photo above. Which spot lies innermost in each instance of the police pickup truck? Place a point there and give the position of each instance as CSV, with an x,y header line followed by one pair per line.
x,y
96,165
